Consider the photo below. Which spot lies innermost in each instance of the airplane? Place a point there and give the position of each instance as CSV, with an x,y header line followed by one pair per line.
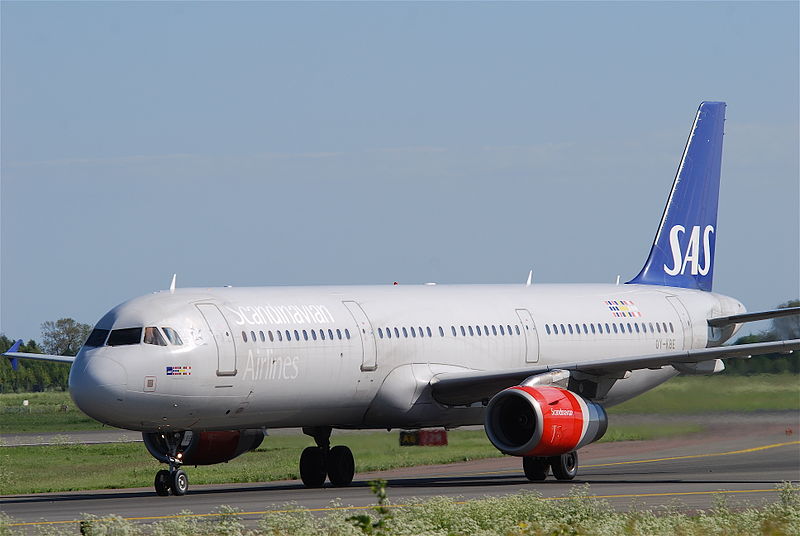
x,y
202,373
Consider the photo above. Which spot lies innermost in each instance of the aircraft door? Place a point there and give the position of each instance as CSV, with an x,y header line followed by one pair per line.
x,y
531,336
369,357
223,338
685,321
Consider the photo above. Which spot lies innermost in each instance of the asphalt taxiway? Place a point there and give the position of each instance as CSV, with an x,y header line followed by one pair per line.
x,y
743,464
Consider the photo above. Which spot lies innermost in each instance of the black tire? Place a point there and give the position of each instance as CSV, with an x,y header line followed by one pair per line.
x,y
535,468
312,467
565,467
180,482
162,483
341,466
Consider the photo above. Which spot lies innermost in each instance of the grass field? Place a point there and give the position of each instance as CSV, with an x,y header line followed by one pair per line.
x,y
700,394
52,411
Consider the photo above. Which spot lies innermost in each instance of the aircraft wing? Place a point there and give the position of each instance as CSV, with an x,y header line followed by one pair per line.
x,y
14,356
752,317
461,388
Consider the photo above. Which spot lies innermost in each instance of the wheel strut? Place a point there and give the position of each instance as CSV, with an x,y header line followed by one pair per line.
x,y
175,479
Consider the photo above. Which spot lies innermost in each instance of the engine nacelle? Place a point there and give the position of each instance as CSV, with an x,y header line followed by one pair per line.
x,y
542,421
203,448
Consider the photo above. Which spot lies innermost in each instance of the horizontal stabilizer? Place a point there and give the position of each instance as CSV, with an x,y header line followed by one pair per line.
x,y
752,317
462,388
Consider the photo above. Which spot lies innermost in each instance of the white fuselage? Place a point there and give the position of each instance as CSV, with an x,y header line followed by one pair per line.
x,y
363,357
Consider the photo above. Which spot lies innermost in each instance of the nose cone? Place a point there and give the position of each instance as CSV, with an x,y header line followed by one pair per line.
x,y
97,384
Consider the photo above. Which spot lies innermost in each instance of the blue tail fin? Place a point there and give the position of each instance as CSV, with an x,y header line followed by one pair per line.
x,y
683,250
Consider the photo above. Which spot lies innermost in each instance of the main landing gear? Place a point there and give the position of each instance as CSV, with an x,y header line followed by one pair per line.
x,y
318,462
565,466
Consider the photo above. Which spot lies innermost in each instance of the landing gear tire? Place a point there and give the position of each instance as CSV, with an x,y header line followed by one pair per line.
x,y
312,467
341,466
162,483
565,467
535,468
179,482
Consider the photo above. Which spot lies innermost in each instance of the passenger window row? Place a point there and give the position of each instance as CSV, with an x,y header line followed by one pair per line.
x,y
608,329
296,335
387,333
465,331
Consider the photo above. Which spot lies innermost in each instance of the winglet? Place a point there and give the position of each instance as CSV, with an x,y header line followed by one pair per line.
x,y
14,348
530,279
172,285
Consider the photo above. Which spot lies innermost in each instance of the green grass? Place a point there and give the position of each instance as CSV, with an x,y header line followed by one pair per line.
x,y
124,465
52,411
700,394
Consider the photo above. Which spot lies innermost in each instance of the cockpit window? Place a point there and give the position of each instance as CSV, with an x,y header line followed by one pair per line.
x,y
96,338
121,337
153,336
173,336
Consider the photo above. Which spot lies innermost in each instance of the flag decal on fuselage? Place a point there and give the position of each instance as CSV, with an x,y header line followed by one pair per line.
x,y
182,370
623,308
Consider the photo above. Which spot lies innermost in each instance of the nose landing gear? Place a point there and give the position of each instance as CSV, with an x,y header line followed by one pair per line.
x,y
316,463
174,480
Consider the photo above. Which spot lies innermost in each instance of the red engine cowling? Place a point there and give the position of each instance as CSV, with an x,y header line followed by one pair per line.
x,y
542,421
204,448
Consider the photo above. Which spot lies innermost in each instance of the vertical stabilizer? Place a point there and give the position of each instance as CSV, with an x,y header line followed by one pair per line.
x,y
683,250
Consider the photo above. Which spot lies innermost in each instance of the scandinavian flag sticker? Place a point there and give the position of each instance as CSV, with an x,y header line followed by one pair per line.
x,y
623,308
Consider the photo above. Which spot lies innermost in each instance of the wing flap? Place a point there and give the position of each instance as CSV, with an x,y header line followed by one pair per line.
x,y
462,388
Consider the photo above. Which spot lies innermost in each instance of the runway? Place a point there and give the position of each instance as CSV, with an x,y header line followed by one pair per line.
x,y
690,471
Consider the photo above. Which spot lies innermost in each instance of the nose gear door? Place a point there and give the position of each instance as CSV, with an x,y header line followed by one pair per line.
x,y
223,338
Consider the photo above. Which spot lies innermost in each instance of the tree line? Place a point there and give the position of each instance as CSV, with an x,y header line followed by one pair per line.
x,y
66,336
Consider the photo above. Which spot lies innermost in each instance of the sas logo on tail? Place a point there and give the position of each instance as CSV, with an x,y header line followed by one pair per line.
x,y
691,258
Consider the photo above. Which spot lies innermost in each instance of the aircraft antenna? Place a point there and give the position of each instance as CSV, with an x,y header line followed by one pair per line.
x,y
172,284
530,279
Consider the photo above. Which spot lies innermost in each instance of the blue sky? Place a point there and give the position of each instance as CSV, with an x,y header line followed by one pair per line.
x,y
273,144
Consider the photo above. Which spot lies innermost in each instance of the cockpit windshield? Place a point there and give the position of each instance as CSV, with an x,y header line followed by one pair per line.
x,y
153,336
128,336
97,338
173,336
122,337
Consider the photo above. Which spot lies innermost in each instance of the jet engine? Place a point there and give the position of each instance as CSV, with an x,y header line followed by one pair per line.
x,y
201,448
542,421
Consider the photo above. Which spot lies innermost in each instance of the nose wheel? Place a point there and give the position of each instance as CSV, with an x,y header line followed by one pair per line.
x,y
316,463
174,480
